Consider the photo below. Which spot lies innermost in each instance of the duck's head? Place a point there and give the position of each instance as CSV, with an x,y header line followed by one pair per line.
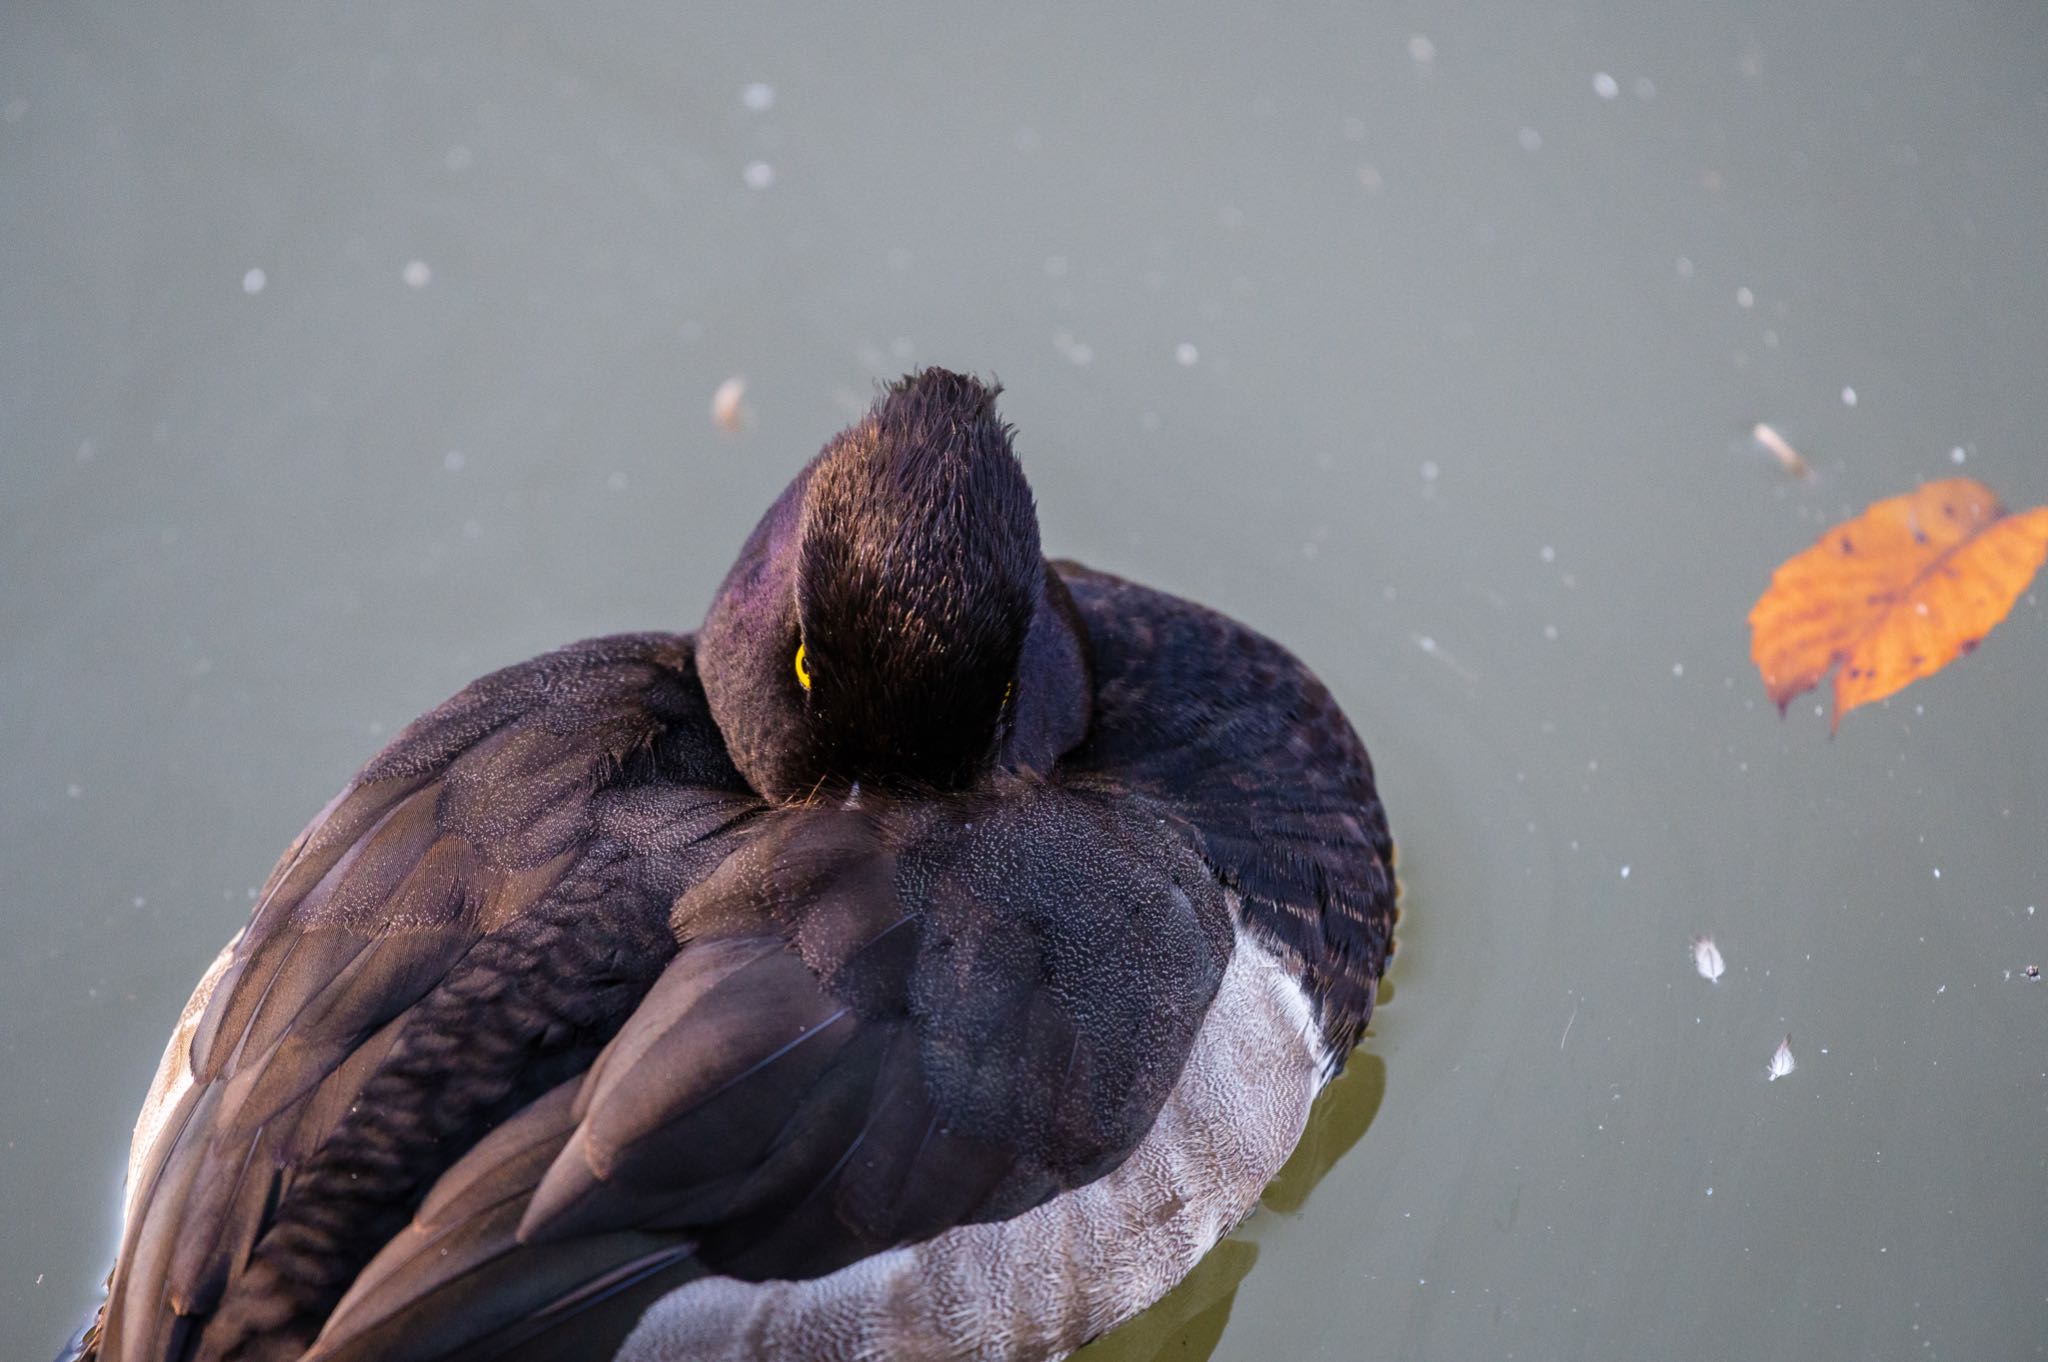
x,y
891,621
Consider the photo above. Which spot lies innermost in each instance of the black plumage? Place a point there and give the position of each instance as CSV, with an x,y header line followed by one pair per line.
x,y
663,955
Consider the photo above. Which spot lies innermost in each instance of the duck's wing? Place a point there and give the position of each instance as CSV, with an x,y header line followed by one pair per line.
x,y
461,930
880,1026
1229,730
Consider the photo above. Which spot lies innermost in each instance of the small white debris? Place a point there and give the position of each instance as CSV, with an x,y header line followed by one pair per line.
x,y
1706,958
759,96
1530,139
1782,1062
417,275
1605,86
1429,470
1744,298
1436,650
1848,397
253,281
1421,50
758,174
1957,455
1779,448
1547,554
727,410
1186,355
1624,872
1678,669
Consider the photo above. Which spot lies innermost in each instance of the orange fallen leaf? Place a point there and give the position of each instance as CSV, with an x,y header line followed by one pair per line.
x,y
1896,594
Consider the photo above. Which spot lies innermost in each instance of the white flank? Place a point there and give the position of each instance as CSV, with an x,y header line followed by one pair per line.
x,y
1040,1285
1706,958
1782,1062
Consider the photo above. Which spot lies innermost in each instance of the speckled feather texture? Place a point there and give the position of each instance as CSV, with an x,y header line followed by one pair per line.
x,y
1042,1284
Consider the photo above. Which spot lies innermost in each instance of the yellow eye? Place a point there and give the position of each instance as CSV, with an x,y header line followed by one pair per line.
x,y
803,673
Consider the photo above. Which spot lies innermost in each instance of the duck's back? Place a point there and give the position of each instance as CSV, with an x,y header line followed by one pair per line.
x,y
548,1015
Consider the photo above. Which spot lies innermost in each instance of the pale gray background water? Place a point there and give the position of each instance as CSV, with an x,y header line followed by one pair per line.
x,y
1482,300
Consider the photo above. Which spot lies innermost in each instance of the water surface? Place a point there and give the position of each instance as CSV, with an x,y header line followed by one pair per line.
x,y
347,354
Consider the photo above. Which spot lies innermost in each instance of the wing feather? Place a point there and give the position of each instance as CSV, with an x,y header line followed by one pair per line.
x,y
1253,758
459,932
882,1023
944,1028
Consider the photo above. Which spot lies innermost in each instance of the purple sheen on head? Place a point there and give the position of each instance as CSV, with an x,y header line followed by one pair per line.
x,y
748,632
905,559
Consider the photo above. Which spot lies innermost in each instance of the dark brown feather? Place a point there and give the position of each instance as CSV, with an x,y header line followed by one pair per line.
x,y
462,930
1229,731
547,1013
984,1000
883,1022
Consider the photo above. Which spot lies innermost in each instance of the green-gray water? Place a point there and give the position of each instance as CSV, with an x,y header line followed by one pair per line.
x,y
348,353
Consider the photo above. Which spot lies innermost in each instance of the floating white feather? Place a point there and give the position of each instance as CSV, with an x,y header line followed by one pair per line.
x,y
1706,958
1782,1062
728,409
1781,449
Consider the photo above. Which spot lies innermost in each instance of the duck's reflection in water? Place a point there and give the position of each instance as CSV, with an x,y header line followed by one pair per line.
x,y
1186,1324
